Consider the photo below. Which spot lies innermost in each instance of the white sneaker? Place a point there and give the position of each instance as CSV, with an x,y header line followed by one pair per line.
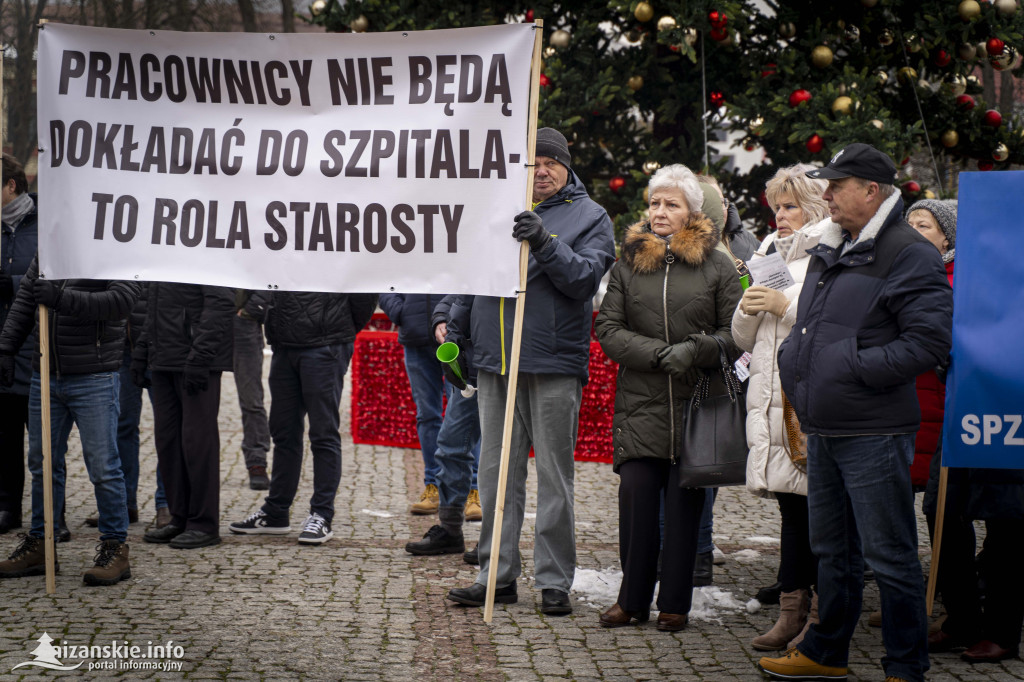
x,y
315,531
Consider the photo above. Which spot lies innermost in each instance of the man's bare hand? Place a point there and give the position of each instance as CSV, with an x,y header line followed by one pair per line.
x,y
441,331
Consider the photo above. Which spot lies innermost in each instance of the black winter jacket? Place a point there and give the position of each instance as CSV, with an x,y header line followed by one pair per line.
x,y
18,247
187,324
87,328
412,313
306,319
868,323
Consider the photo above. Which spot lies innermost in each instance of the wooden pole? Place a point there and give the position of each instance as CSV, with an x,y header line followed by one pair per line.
x,y
44,391
517,330
940,514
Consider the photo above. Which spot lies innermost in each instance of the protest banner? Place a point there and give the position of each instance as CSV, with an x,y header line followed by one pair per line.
x,y
337,162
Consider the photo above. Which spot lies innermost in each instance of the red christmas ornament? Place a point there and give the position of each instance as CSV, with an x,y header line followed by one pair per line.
x,y
965,102
718,19
750,147
768,70
815,144
544,81
617,183
905,161
674,48
798,96
911,187
995,47
942,58
985,165
717,98
718,34
992,118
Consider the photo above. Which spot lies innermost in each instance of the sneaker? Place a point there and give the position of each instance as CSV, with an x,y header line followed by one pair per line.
x,y
28,558
258,479
258,523
429,501
473,510
718,557
437,541
315,531
793,665
111,564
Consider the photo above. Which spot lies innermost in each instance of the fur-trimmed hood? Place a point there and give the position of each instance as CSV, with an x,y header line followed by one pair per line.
x,y
693,244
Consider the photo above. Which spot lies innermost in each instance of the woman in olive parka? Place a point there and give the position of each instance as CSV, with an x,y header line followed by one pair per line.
x,y
668,293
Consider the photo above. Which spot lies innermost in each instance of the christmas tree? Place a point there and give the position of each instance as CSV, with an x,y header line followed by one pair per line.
x,y
635,85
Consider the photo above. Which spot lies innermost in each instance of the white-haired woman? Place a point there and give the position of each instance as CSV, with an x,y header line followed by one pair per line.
x,y
667,295
759,325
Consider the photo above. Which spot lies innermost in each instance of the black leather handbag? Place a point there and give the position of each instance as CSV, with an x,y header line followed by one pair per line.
x,y
713,440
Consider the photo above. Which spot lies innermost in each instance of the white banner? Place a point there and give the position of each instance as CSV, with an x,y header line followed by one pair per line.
x,y
370,162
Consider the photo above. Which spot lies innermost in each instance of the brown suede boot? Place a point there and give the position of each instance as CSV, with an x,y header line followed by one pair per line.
x,y
812,619
28,558
792,617
111,564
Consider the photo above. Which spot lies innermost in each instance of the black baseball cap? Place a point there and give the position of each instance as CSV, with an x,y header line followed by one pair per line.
x,y
858,160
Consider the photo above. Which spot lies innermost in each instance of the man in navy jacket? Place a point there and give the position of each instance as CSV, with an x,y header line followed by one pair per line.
x,y
875,311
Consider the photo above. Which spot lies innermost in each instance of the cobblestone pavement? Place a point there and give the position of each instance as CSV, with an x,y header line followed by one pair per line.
x,y
360,608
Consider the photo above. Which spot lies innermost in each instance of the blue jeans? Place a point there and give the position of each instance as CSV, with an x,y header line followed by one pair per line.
x,y
427,383
861,508
91,402
128,437
458,449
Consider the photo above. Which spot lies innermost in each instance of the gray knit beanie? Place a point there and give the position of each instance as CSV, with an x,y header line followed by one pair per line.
x,y
944,211
553,144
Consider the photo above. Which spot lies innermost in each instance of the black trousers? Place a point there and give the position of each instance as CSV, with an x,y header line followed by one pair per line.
x,y
798,567
13,423
642,482
188,450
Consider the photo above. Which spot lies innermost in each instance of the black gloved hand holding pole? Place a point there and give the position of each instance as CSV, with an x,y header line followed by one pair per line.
x,y
530,228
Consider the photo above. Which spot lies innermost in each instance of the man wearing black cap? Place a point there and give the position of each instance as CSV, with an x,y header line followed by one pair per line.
x,y
875,311
571,247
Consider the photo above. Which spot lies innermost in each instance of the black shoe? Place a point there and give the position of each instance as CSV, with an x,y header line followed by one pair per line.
x,y
704,570
554,602
8,521
476,595
769,595
194,539
437,541
61,532
258,479
472,557
163,535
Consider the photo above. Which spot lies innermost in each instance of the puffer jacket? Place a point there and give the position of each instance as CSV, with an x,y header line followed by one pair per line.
x,y
662,292
87,328
870,321
769,469
18,247
308,319
561,282
187,324
412,314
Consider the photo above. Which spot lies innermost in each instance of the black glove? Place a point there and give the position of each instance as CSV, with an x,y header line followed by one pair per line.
x,y
6,370
678,358
450,375
6,285
530,228
196,379
48,293
138,373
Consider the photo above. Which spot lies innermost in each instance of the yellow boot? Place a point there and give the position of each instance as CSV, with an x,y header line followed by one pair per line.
x,y
428,503
793,665
473,510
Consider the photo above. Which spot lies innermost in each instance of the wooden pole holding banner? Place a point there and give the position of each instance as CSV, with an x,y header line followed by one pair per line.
x,y
44,391
517,330
940,514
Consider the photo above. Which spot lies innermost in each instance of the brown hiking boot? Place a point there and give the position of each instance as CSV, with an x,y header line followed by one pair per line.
x,y
473,511
111,564
429,501
27,559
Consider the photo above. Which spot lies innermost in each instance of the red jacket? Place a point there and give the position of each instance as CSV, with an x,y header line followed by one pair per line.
x,y
931,394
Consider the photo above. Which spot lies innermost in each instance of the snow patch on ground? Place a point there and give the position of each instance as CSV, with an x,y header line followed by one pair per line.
x,y
381,514
600,588
529,515
763,540
746,555
753,606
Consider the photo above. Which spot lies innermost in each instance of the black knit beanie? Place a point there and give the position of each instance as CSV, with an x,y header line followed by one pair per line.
x,y
552,143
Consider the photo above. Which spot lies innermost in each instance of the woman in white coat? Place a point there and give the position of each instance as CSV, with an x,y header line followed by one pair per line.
x,y
759,325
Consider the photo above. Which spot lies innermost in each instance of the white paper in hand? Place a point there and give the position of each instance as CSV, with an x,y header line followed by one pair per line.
x,y
771,271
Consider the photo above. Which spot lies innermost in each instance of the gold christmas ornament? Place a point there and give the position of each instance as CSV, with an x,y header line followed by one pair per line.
x,y
635,83
928,194
690,36
317,8
950,139
973,81
882,77
549,51
666,23
360,24
1005,60
651,166
968,9
1006,7
912,42
878,124
755,125
560,39
1001,152
643,12
821,56
906,75
981,50
885,38
842,105
955,84
967,51
787,30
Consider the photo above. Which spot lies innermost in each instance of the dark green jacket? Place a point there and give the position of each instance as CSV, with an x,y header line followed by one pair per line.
x,y
661,293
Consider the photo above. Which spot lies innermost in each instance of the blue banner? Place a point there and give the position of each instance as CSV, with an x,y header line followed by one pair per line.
x,y
984,424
